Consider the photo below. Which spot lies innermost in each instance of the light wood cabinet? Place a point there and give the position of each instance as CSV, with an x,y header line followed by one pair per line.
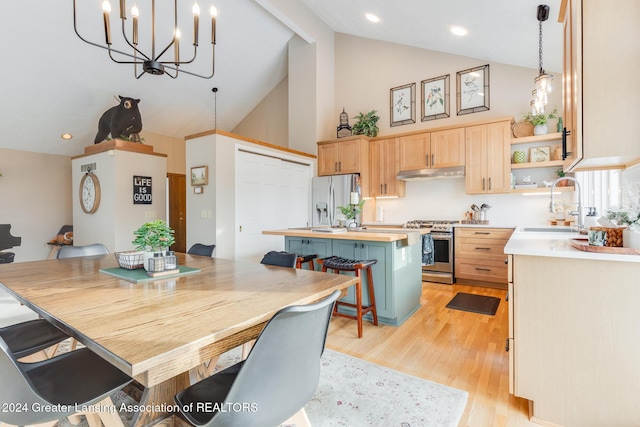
x,y
575,339
600,83
432,150
479,255
385,165
488,154
342,157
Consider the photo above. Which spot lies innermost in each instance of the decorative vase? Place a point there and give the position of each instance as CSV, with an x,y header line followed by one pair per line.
x,y
519,156
630,238
540,129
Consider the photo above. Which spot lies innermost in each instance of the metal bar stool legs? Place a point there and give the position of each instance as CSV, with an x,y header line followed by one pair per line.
x,y
341,264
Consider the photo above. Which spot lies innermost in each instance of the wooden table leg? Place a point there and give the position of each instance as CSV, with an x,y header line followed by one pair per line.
x,y
159,397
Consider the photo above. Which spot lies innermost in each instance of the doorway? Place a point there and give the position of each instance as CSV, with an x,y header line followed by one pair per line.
x,y
177,202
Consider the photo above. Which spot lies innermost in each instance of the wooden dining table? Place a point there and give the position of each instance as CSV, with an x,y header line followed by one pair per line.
x,y
157,331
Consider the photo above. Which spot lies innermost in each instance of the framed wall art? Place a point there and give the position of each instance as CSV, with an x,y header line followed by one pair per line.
x,y
540,154
435,98
199,175
472,90
403,105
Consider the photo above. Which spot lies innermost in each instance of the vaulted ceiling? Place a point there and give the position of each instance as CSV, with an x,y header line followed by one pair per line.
x,y
53,83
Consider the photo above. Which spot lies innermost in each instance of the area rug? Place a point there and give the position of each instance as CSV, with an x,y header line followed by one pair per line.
x,y
356,393
474,303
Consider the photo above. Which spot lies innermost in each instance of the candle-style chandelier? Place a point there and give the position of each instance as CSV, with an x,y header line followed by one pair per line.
x,y
543,80
157,60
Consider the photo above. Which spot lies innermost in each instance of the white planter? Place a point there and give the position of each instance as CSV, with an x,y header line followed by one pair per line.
x,y
630,239
540,129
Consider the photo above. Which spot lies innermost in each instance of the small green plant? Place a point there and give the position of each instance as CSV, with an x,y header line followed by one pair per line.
x,y
561,173
540,119
350,211
366,124
153,236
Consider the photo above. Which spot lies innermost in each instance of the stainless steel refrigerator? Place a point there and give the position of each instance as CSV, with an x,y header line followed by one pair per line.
x,y
329,192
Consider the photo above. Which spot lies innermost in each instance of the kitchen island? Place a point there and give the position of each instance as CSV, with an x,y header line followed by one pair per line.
x,y
397,276
574,330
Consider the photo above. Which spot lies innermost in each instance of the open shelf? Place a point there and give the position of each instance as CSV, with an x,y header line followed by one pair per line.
x,y
537,138
551,163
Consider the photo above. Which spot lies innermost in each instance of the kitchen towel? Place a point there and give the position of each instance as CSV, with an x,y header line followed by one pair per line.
x,y
427,249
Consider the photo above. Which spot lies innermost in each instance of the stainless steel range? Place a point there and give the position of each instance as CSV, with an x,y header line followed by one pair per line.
x,y
441,270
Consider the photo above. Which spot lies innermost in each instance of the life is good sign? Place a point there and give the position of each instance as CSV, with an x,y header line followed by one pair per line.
x,y
142,190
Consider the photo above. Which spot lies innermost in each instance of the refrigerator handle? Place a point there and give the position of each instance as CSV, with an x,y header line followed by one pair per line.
x,y
332,204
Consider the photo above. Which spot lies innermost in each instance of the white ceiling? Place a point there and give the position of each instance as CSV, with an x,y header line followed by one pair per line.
x,y
54,83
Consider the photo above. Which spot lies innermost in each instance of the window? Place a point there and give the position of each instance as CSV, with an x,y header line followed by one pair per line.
x,y
601,189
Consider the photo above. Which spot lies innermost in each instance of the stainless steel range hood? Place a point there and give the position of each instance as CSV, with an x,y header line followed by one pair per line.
x,y
437,173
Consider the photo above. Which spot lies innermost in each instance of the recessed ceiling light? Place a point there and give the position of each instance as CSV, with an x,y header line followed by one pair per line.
x,y
458,30
66,136
371,17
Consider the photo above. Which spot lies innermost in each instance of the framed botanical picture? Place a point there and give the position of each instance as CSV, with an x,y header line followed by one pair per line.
x,y
199,175
539,154
472,90
403,105
435,98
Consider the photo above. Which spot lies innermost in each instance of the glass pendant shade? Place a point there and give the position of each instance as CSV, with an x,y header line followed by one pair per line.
x,y
543,82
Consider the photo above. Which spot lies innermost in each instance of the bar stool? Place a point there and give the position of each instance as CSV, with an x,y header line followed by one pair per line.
x,y
338,264
303,259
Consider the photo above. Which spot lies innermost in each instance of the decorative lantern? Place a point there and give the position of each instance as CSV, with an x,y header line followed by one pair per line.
x,y
344,129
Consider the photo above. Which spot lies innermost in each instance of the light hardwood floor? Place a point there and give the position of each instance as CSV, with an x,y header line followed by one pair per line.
x,y
460,349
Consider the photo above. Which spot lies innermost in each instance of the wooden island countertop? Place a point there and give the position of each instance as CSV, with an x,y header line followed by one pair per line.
x,y
369,234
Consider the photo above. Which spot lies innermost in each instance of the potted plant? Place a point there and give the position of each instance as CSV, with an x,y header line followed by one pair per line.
x,y
561,174
351,211
366,124
539,121
629,218
153,237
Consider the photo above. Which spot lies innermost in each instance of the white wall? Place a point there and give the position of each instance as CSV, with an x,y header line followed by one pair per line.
x,y
118,217
367,69
35,198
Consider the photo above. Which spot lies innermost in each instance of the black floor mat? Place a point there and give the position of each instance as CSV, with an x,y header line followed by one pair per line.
x,y
474,303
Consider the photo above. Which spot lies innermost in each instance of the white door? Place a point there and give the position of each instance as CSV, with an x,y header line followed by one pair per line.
x,y
271,194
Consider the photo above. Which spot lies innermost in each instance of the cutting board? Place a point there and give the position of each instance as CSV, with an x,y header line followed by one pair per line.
x,y
583,245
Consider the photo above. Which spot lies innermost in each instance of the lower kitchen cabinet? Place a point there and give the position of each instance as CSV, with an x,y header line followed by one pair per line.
x,y
479,255
304,246
397,278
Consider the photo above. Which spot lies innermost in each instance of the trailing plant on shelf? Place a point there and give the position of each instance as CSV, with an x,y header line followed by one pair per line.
x,y
154,236
366,124
540,119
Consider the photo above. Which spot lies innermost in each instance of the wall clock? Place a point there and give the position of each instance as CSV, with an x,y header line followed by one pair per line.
x,y
89,193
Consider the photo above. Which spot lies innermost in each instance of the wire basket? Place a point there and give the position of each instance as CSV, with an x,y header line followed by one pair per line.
x,y
130,260
522,129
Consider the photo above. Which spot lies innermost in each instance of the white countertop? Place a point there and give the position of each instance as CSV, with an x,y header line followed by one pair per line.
x,y
555,244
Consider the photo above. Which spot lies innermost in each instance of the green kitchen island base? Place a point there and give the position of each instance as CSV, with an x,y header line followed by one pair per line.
x,y
397,276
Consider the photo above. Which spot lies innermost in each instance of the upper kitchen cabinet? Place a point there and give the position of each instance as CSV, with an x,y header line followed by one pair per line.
x,y
432,150
385,164
488,152
349,155
600,85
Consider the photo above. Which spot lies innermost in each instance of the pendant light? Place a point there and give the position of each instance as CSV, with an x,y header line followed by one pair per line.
x,y
543,80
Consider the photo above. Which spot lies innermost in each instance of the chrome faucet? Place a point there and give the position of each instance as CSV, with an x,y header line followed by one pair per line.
x,y
578,212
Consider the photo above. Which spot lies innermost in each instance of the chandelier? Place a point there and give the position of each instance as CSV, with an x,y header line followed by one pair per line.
x,y
543,80
156,59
